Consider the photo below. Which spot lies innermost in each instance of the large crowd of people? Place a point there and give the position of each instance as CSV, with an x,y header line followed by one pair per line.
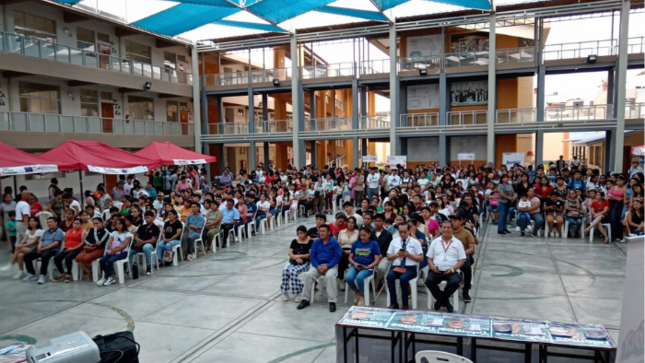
x,y
415,225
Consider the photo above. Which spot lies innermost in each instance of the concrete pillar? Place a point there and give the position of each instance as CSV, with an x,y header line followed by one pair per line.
x,y
621,94
312,104
492,92
444,104
609,151
540,105
266,154
355,155
314,160
252,156
298,161
394,96
196,99
222,158
251,111
611,90
265,110
355,110
363,108
205,149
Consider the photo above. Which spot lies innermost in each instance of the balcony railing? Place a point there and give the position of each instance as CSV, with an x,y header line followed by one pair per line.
x,y
515,55
463,59
328,70
328,124
414,63
42,122
516,115
459,118
242,77
374,122
34,47
595,47
419,119
375,66
274,126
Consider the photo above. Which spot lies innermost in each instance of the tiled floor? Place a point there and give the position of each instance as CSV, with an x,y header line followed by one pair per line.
x,y
226,307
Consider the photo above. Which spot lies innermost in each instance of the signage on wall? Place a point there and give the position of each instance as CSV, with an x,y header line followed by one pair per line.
x,y
510,159
369,158
423,96
117,107
393,160
465,156
425,45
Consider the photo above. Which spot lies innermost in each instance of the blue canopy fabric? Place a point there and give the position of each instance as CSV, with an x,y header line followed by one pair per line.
x,y
192,14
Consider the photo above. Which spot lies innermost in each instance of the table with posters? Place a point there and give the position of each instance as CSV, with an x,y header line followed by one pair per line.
x,y
404,329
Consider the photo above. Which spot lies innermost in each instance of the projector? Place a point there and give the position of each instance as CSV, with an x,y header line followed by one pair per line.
x,y
71,348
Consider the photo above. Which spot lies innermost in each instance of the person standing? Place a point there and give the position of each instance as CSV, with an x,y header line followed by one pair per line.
x,y
505,205
373,183
23,211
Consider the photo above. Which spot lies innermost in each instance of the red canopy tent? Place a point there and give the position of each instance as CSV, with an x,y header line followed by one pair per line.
x,y
18,162
97,157
166,153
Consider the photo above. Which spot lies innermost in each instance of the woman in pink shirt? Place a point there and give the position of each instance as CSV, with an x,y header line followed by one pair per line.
x,y
433,225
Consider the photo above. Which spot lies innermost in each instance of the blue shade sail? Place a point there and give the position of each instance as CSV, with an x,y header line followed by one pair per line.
x,y
223,3
471,4
277,11
184,17
356,13
248,25
387,4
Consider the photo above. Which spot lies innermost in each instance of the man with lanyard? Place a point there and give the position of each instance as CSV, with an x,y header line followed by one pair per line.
x,y
324,257
468,240
23,211
405,253
372,183
446,255
145,240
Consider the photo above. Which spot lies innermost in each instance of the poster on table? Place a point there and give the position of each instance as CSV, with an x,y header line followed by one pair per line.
x,y
510,159
594,336
422,97
394,160
424,46
469,93
466,325
416,321
367,317
521,330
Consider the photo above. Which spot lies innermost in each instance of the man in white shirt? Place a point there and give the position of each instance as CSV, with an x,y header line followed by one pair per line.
x,y
129,185
372,183
636,168
394,180
349,211
405,253
446,255
22,215
71,203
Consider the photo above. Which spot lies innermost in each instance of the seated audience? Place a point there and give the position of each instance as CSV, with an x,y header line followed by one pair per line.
x,y
299,251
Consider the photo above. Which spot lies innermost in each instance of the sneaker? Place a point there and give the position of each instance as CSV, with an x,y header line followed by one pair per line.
x,y
100,282
298,298
332,307
517,229
5,268
189,257
534,235
18,275
466,296
285,296
109,281
41,279
30,277
148,270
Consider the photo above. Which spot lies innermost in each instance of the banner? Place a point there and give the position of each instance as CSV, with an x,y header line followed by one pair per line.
x,y
510,159
370,158
102,170
28,169
188,162
465,156
393,160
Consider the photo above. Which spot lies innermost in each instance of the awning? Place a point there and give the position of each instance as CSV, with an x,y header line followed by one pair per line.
x,y
166,153
97,157
18,162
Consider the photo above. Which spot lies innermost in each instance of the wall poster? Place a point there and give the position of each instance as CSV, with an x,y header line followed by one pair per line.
x,y
423,46
469,93
423,97
469,42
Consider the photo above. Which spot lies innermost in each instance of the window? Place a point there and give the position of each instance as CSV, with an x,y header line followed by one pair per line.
x,y
106,96
141,108
137,52
103,37
41,98
85,39
170,60
172,111
34,26
89,102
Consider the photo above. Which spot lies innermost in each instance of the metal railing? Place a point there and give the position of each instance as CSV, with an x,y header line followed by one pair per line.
x,y
328,124
43,122
515,55
578,113
516,115
455,118
34,47
374,122
379,66
273,126
595,47
419,119
327,70
242,77
464,59
414,63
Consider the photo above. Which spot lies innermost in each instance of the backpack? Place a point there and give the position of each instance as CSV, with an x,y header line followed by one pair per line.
x,y
118,347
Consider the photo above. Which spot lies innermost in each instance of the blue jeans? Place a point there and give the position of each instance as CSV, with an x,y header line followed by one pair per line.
x,y
505,210
523,220
107,262
372,192
424,263
165,246
146,249
404,280
258,218
360,276
577,222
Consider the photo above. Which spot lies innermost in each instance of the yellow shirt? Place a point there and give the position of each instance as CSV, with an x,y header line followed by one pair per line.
x,y
184,212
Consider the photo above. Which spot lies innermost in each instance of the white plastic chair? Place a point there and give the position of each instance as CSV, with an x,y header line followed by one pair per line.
x,y
106,215
369,282
607,228
432,356
566,229
42,217
200,240
117,204
322,287
250,225
455,296
264,225
413,289
177,248
239,233
119,266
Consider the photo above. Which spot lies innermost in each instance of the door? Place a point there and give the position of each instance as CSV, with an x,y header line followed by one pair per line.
x,y
107,112
183,119
181,68
104,55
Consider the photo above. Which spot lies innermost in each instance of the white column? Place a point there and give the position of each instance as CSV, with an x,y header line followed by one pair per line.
x,y
621,82
295,100
197,116
492,91
394,97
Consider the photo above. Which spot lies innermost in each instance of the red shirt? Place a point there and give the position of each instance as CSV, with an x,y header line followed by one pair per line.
x,y
543,193
597,207
73,238
35,209
334,230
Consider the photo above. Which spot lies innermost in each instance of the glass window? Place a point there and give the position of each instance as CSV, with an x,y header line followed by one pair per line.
x,y
141,108
137,52
41,98
85,39
170,60
89,102
106,95
35,26
103,37
172,111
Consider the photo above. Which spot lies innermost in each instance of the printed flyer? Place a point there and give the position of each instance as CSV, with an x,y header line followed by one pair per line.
x,y
367,317
417,321
521,330
591,336
466,325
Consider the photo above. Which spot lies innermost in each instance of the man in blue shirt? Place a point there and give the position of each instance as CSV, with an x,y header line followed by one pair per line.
x,y
195,223
251,208
324,257
48,247
229,220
